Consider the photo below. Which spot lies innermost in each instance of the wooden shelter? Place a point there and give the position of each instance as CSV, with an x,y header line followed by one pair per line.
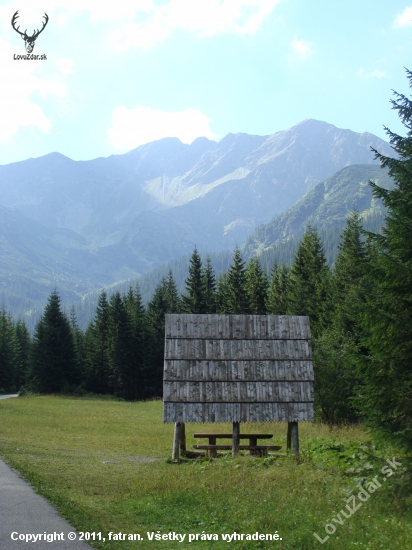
x,y
237,368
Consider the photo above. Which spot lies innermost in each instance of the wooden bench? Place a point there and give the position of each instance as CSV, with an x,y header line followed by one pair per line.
x,y
257,450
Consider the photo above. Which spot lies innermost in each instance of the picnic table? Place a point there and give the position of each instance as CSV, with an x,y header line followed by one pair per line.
x,y
254,449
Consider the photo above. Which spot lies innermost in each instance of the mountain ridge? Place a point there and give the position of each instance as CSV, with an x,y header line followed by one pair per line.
x,y
124,215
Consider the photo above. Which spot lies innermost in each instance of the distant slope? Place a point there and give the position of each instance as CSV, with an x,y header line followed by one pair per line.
x,y
326,206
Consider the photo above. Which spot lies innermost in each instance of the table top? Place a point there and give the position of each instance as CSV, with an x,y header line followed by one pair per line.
x,y
230,436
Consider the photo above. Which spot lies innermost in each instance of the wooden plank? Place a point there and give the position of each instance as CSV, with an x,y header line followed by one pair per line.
x,y
239,412
238,392
240,447
229,436
234,327
223,350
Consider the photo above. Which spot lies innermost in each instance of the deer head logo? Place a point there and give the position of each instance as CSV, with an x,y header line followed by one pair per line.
x,y
28,40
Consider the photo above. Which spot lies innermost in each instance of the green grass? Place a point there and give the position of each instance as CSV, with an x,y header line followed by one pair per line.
x,y
85,456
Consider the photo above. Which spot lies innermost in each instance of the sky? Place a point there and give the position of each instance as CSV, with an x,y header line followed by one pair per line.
x,y
121,74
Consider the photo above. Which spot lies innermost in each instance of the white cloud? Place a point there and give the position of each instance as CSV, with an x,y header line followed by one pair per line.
x,y
17,107
373,74
63,10
143,23
404,19
65,66
301,49
200,17
134,127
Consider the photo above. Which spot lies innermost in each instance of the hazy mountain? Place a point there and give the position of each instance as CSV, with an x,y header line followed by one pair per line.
x,y
83,224
325,207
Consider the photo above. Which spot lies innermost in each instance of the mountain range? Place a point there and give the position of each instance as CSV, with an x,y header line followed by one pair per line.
x,y
81,225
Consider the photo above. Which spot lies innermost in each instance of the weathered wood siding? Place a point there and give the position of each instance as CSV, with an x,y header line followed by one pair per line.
x,y
237,368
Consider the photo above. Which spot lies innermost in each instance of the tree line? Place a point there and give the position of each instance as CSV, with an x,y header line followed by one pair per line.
x,y
360,314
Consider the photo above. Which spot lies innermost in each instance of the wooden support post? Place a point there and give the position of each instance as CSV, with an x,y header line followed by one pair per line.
x,y
182,437
289,437
235,439
295,439
176,441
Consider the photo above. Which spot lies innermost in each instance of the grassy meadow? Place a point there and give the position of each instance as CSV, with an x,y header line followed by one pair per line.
x,y
104,465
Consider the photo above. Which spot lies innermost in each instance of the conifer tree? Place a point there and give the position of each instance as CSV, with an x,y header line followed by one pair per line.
x,y
136,312
23,352
336,349
121,360
165,300
97,356
236,299
221,296
53,365
385,397
350,268
78,340
256,286
276,301
209,285
8,353
171,294
309,282
194,299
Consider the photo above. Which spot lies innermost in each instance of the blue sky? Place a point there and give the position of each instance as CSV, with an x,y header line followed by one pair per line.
x,y
120,74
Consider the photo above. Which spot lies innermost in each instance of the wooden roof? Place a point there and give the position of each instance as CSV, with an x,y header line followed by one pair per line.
x,y
237,368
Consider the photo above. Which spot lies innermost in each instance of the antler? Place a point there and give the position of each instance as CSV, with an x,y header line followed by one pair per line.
x,y
13,21
46,17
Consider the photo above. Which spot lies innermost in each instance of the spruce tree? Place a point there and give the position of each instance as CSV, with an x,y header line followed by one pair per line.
x,y
171,294
96,344
122,367
236,299
155,322
349,272
256,286
8,353
194,299
136,311
53,365
309,282
78,340
23,353
209,285
276,301
336,349
385,397
222,292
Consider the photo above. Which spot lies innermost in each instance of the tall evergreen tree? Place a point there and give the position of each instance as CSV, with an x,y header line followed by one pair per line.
x,y
236,299
276,301
309,282
8,353
194,299
336,349
209,284
171,294
136,311
53,365
23,352
350,269
222,293
96,344
121,359
256,286
78,340
385,397
165,300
